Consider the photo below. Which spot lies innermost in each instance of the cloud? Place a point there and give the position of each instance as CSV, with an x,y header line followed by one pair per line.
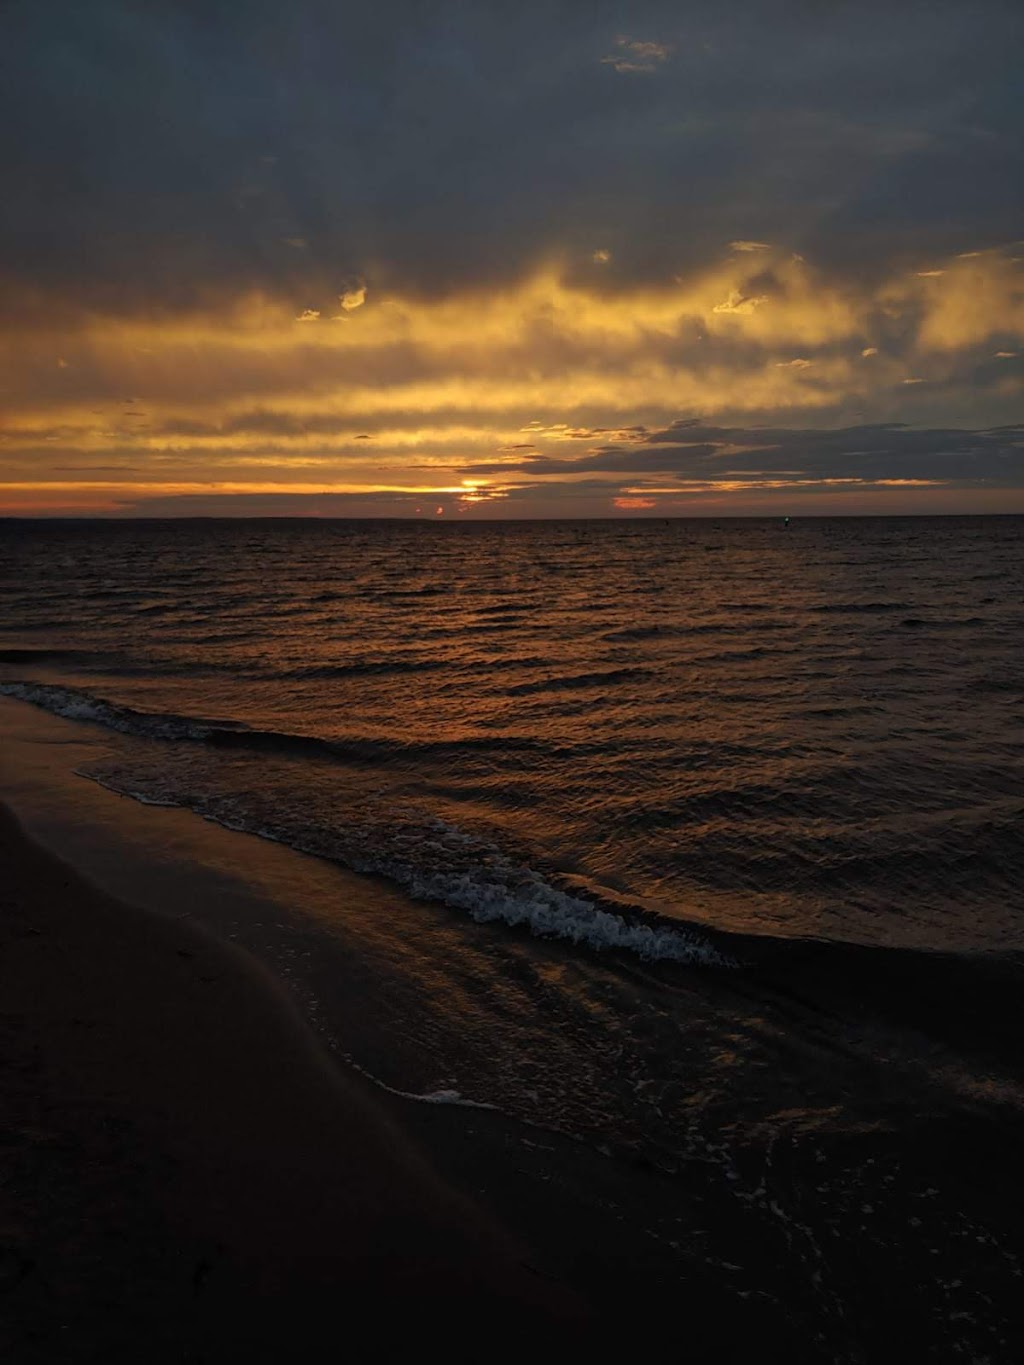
x,y
352,297
553,361
522,243
637,56
688,466
744,304
877,451
606,460
170,159
879,455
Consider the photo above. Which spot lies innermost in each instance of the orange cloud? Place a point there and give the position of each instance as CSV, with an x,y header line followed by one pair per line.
x,y
238,394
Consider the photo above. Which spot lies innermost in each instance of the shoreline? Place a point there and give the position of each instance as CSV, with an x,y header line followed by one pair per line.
x,y
812,1246
189,1170
192,1176
549,1211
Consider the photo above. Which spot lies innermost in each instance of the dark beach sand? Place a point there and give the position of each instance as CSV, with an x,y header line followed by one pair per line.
x,y
187,1177
188,1174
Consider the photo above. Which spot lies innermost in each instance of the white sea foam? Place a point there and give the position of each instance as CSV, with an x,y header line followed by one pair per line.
x,y
452,1097
547,912
440,1097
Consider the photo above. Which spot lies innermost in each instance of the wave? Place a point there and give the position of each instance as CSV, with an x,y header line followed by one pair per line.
x,y
996,685
578,681
364,668
158,609
76,705
839,712
105,592
223,733
727,656
856,608
549,913
629,634
391,594
942,622
42,655
430,859
225,637
489,886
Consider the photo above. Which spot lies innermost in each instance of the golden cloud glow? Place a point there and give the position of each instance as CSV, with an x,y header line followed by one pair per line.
x,y
236,397
744,304
352,298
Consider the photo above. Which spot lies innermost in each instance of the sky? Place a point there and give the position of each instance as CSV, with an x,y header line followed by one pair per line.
x,y
470,260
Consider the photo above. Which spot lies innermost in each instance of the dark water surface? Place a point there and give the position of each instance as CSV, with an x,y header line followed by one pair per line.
x,y
806,732
774,774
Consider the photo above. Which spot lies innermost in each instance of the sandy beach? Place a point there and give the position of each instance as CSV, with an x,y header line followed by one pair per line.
x,y
220,1066
193,1166
186,1175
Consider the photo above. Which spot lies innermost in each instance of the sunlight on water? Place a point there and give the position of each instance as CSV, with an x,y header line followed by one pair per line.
x,y
812,730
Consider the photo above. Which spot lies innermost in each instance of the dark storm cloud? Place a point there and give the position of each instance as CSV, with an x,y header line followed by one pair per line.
x,y
167,155
691,449
610,459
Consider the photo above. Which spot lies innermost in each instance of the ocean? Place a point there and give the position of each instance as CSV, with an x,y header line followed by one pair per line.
x,y
711,833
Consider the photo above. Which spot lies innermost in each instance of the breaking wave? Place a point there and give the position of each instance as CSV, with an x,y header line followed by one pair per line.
x,y
430,859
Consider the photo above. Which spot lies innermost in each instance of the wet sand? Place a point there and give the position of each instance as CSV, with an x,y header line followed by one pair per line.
x,y
187,1176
